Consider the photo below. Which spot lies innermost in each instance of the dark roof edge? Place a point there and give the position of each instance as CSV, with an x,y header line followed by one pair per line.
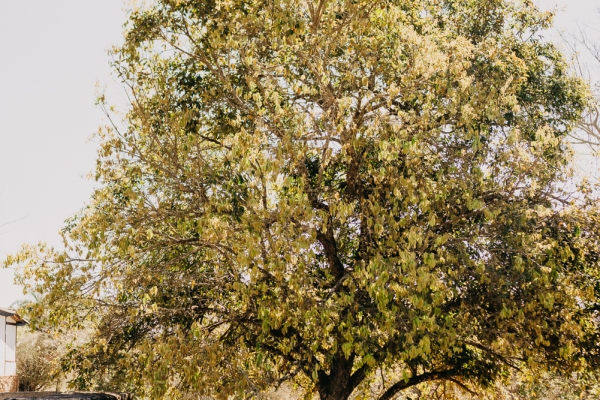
x,y
5,312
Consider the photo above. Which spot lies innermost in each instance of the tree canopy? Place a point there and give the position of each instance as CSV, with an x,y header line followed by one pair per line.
x,y
334,193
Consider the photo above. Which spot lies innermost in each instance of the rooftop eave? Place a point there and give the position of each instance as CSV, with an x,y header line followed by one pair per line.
x,y
17,320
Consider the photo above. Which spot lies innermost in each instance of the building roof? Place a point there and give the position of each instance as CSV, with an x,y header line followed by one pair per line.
x,y
5,312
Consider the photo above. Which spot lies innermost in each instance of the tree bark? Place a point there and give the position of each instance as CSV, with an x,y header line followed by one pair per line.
x,y
327,240
337,384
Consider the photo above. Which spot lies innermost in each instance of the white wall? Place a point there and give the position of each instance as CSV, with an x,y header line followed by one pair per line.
x,y
2,345
11,350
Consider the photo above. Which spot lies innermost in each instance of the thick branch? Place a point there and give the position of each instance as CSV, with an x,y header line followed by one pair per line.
x,y
330,247
358,376
415,380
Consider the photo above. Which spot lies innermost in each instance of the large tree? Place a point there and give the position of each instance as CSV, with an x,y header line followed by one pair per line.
x,y
358,196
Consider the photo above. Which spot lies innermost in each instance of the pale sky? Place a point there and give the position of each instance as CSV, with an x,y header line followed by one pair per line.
x,y
52,53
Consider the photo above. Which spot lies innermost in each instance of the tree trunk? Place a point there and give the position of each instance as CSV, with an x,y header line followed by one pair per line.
x,y
337,384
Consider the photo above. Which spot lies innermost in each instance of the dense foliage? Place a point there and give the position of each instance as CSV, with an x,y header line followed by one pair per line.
x,y
332,193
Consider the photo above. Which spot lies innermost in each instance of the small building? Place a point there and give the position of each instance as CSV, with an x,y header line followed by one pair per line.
x,y
9,321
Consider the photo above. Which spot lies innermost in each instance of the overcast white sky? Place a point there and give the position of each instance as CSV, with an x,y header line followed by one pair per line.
x,y
52,53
